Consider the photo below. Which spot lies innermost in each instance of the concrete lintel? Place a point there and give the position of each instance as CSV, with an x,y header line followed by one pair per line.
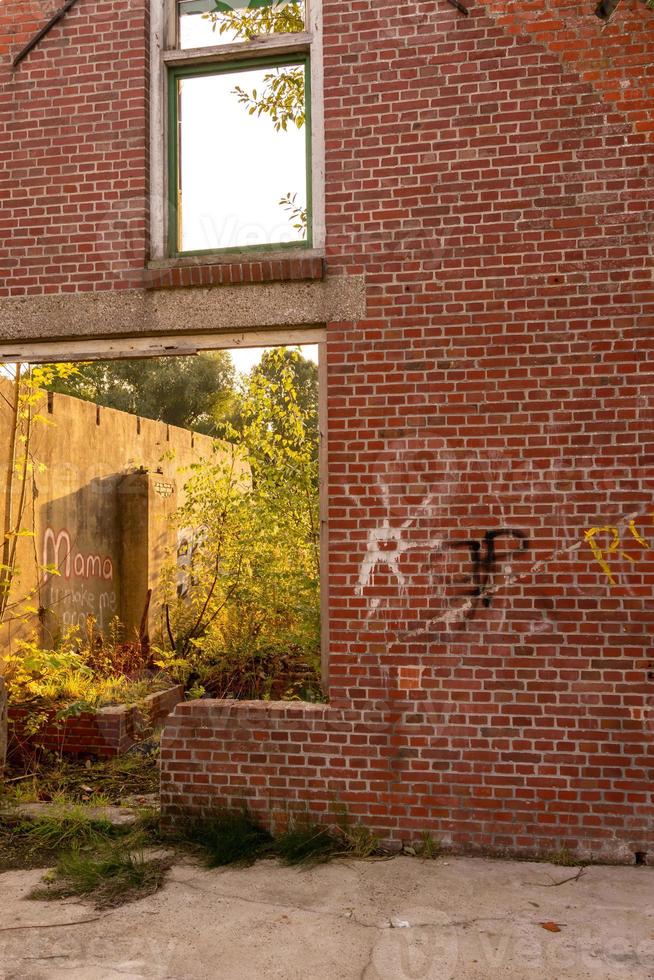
x,y
197,310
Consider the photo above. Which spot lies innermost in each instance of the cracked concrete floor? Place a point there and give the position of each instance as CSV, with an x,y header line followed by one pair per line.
x,y
401,919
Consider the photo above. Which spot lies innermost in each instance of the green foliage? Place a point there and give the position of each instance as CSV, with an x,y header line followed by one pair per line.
x,y
360,842
429,848
277,17
276,673
253,584
229,838
112,878
282,98
69,827
72,782
303,375
35,843
67,676
190,392
297,213
307,843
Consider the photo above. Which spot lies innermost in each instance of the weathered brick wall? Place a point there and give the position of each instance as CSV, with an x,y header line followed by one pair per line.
x,y
491,176
73,147
104,733
615,55
497,203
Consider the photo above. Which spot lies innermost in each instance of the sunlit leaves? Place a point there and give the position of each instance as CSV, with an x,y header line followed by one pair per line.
x,y
255,566
282,98
297,213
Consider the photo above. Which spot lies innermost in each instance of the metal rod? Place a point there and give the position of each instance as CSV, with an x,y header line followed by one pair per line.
x,y
459,6
42,33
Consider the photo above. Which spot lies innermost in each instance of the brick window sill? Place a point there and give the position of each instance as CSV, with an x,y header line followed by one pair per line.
x,y
234,270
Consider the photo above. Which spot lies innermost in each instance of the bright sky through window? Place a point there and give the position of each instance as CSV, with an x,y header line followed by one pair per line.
x,y
200,21
235,167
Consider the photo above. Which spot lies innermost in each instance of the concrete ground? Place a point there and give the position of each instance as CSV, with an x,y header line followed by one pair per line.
x,y
399,919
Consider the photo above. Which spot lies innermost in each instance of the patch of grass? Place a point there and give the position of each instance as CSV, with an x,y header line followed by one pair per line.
x,y
429,848
25,791
306,844
360,842
112,878
564,858
148,826
97,783
36,843
229,838
69,828
237,838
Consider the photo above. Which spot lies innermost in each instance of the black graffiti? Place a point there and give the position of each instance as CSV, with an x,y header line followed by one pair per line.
x,y
487,561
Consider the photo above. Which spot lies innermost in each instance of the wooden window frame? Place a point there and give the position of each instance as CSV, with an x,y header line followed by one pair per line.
x,y
167,59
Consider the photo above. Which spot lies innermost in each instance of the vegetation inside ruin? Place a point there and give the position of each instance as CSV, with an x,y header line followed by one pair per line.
x,y
116,875
240,617
86,670
237,838
37,843
130,779
247,611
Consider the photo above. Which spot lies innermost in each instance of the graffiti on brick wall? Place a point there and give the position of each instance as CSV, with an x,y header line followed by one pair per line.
x,y
487,561
605,552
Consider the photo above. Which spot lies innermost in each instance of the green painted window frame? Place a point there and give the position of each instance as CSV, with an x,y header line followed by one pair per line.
x,y
229,67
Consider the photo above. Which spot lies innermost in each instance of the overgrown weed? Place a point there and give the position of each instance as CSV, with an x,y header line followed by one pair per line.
x,y
228,837
113,877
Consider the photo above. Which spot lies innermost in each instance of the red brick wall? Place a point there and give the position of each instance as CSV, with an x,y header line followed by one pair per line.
x,y
104,733
493,183
73,147
498,205
615,54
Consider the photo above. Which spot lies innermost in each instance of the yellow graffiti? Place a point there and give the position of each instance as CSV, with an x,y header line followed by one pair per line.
x,y
603,554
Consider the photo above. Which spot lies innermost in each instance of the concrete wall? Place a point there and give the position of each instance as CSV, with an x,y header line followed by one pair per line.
x,y
100,500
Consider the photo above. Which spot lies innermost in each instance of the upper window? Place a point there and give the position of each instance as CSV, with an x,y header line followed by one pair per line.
x,y
239,126
205,23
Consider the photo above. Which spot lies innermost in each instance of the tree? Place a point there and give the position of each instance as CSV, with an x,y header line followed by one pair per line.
x,y
283,95
255,566
191,392
269,373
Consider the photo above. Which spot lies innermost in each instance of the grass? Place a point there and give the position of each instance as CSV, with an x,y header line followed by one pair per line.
x,y
360,842
236,838
306,844
69,828
564,858
110,878
37,843
229,838
99,784
429,848
82,689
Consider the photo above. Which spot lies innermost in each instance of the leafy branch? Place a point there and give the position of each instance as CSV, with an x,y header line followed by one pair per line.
x,y
297,214
282,98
